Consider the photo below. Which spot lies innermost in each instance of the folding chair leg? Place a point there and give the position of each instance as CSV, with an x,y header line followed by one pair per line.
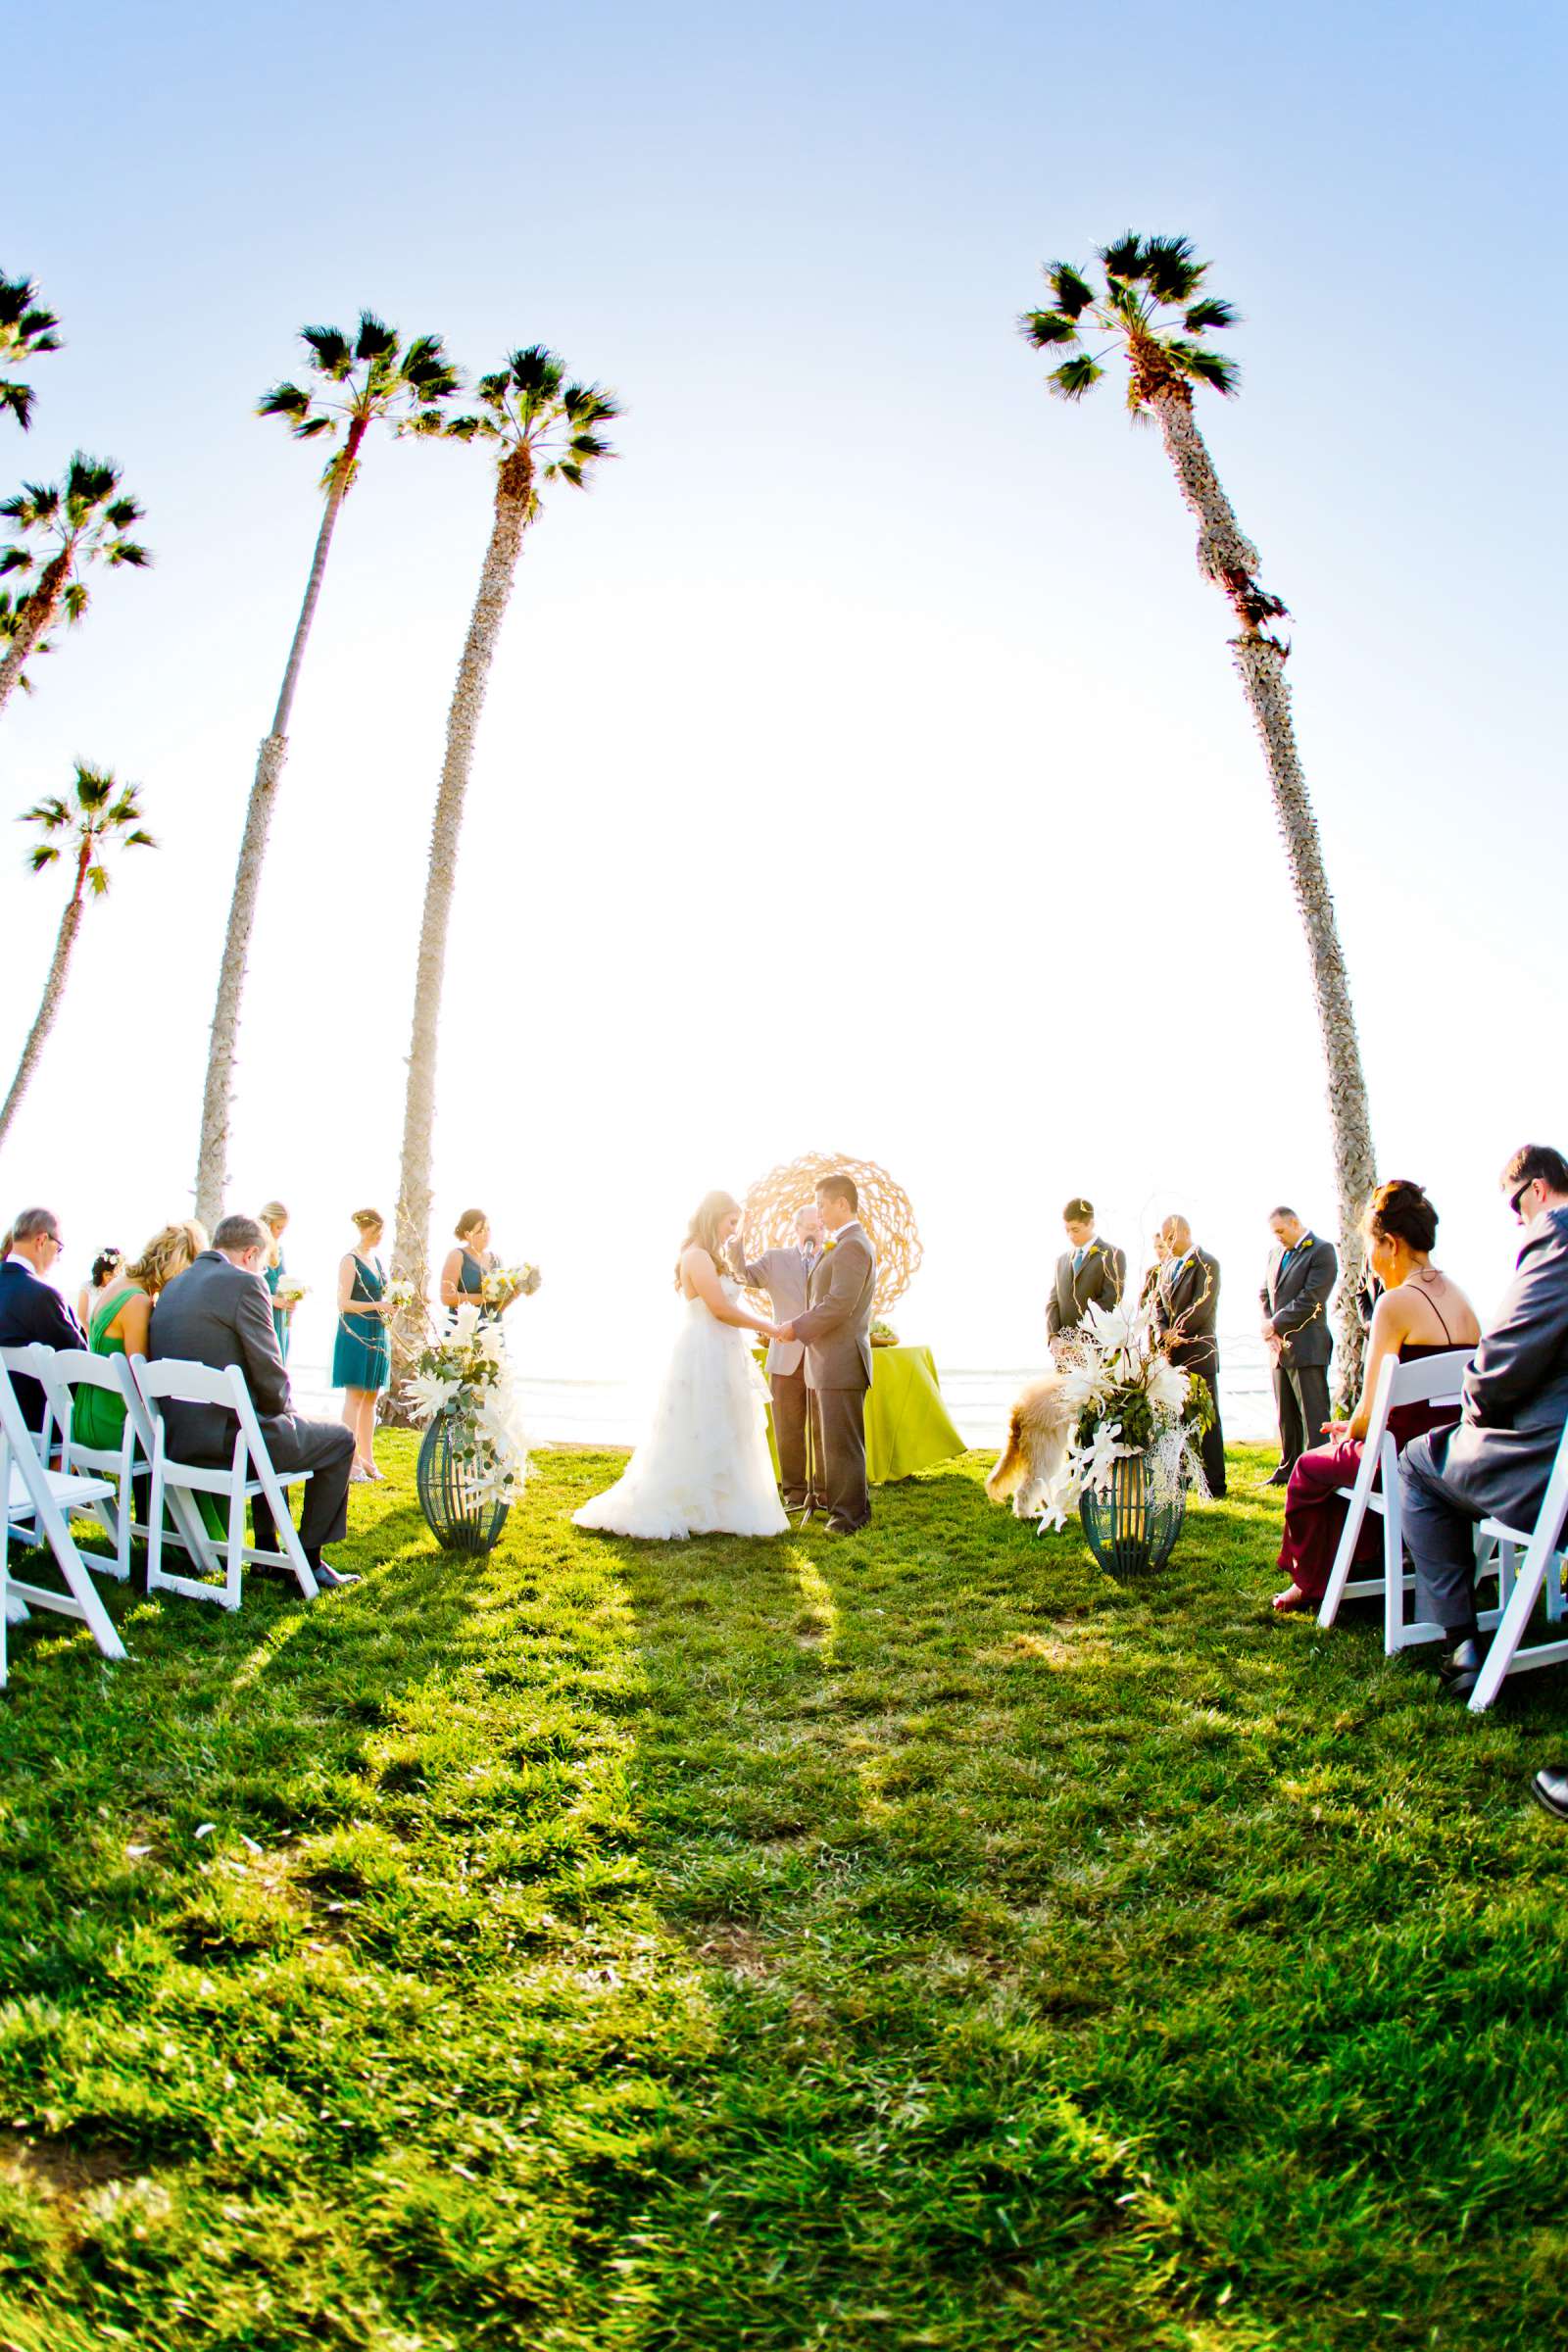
x,y
234,1567
1522,1598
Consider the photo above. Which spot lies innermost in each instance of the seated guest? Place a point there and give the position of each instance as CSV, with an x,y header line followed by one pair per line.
x,y
1090,1272
121,1324
1494,1462
219,1313
30,1307
1186,1308
1419,1312
105,1270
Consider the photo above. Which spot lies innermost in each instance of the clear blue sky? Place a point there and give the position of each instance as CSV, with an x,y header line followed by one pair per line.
x,y
856,582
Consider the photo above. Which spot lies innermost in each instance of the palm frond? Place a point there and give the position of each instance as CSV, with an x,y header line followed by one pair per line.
x,y
41,855
52,813
1043,328
75,600
1125,258
375,341
331,353
590,403
536,372
15,559
1211,311
1212,368
124,512
284,399
569,472
129,550
17,399
98,880
1171,269
90,482
1075,376
140,840
461,428
1070,290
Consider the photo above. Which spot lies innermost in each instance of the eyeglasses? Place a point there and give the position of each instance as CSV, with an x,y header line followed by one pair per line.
x,y
1514,1199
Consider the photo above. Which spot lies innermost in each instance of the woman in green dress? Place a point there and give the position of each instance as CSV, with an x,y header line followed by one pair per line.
x,y
362,1355
119,1325
274,1216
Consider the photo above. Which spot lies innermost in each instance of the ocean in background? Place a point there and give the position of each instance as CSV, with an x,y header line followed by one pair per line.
x,y
588,1412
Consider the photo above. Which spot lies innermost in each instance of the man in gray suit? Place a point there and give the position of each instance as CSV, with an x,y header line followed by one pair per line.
x,y
786,1276
837,1330
220,1312
1089,1273
1295,1298
1495,1461
1185,1300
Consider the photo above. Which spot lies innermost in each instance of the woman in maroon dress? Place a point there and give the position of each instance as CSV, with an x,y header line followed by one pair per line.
x,y
1421,1312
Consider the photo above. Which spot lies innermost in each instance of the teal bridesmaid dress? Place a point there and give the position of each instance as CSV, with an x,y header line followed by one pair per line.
x,y
362,1354
273,1276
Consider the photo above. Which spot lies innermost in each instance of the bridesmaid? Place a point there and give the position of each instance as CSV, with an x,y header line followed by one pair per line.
x,y
466,1267
274,1216
362,1355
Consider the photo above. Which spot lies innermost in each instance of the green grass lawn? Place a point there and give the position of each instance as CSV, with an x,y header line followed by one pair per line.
x,y
916,1940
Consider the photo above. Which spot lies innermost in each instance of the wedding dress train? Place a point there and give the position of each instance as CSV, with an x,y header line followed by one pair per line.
x,y
703,1468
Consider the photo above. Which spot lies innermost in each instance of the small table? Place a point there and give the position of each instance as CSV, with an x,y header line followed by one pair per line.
x,y
907,1424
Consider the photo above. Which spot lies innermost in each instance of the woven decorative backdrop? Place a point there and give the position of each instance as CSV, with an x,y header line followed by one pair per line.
x,y
886,1212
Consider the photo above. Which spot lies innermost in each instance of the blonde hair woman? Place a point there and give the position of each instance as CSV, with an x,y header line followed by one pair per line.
x,y
274,1216
121,1322
704,1467
362,1355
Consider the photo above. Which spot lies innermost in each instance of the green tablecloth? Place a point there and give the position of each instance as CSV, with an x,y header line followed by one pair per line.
x,y
907,1425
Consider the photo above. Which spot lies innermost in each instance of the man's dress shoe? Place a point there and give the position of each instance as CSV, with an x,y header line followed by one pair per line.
x,y
330,1579
1460,1671
1549,1789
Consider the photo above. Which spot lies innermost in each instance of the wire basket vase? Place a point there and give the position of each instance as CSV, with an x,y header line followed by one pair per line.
x,y
1129,1528
458,1515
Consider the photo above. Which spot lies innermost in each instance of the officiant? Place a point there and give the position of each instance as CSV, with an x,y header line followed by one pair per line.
x,y
786,1276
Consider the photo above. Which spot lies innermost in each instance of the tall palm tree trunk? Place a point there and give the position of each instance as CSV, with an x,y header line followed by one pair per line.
x,y
410,1240
38,609
211,1166
1230,561
54,988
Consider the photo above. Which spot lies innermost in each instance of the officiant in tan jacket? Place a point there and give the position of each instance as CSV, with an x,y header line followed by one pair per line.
x,y
837,1330
786,1276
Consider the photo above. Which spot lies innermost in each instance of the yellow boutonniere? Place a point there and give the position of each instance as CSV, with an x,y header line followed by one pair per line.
x,y
829,1247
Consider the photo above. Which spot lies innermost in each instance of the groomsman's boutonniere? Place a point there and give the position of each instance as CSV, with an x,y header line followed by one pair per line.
x,y
828,1246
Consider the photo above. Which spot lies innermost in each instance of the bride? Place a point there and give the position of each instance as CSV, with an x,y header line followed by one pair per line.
x,y
703,1468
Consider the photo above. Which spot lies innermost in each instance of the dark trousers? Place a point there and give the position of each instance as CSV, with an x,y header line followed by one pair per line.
x,y
789,1434
327,1449
1301,1394
1203,1360
1441,1533
838,1429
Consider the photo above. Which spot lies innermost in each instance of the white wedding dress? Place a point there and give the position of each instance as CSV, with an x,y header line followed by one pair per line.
x,y
703,1468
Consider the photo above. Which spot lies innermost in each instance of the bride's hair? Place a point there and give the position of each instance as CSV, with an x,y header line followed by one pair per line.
x,y
707,1218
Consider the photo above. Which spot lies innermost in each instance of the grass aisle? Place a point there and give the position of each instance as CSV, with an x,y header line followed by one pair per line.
x,y
914,1941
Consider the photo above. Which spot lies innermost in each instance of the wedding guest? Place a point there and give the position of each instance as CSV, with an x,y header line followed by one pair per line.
x,y
1186,1306
465,1268
121,1324
1294,1299
1495,1460
105,1269
1419,1312
30,1307
1146,1296
362,1354
216,1312
786,1276
274,1216
1090,1272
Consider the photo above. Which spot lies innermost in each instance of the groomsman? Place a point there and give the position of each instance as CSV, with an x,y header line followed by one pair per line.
x,y
786,1276
1090,1272
1186,1306
1294,1297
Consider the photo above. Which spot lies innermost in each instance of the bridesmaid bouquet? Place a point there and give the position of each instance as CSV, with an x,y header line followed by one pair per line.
x,y
463,1378
506,1283
289,1291
401,1294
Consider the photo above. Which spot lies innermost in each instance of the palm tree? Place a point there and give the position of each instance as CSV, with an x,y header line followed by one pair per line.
x,y
61,528
100,816
1152,309
12,614
25,330
541,429
368,380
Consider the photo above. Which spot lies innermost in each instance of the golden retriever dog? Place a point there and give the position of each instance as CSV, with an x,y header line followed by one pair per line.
x,y
1037,1447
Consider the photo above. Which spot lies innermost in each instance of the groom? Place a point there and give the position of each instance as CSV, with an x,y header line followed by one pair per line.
x,y
837,1330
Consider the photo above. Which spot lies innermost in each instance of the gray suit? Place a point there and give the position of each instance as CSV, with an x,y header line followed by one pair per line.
x,y
1098,1282
786,1276
1494,1462
216,1314
1294,1299
837,1330
1186,1309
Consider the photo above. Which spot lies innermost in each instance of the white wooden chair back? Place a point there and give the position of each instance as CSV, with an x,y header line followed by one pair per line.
x,y
34,1492
248,1474
24,1358
1542,1565
1430,1380
65,1371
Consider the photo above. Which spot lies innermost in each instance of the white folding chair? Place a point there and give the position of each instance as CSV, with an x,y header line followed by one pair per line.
x,y
24,1358
65,1370
37,1499
1430,1380
1521,1586
249,1473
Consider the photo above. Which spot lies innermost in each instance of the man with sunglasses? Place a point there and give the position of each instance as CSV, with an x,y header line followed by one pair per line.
x,y
1495,1459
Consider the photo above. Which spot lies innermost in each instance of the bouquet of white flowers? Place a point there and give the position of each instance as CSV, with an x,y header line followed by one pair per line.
x,y
1129,1399
463,1377
503,1284
290,1291
400,1294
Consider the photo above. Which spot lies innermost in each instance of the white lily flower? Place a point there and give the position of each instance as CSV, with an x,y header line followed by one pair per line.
x,y
429,1394
1167,1386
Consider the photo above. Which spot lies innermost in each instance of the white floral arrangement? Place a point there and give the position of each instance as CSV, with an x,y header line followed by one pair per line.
x,y
503,1284
1127,1398
463,1377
